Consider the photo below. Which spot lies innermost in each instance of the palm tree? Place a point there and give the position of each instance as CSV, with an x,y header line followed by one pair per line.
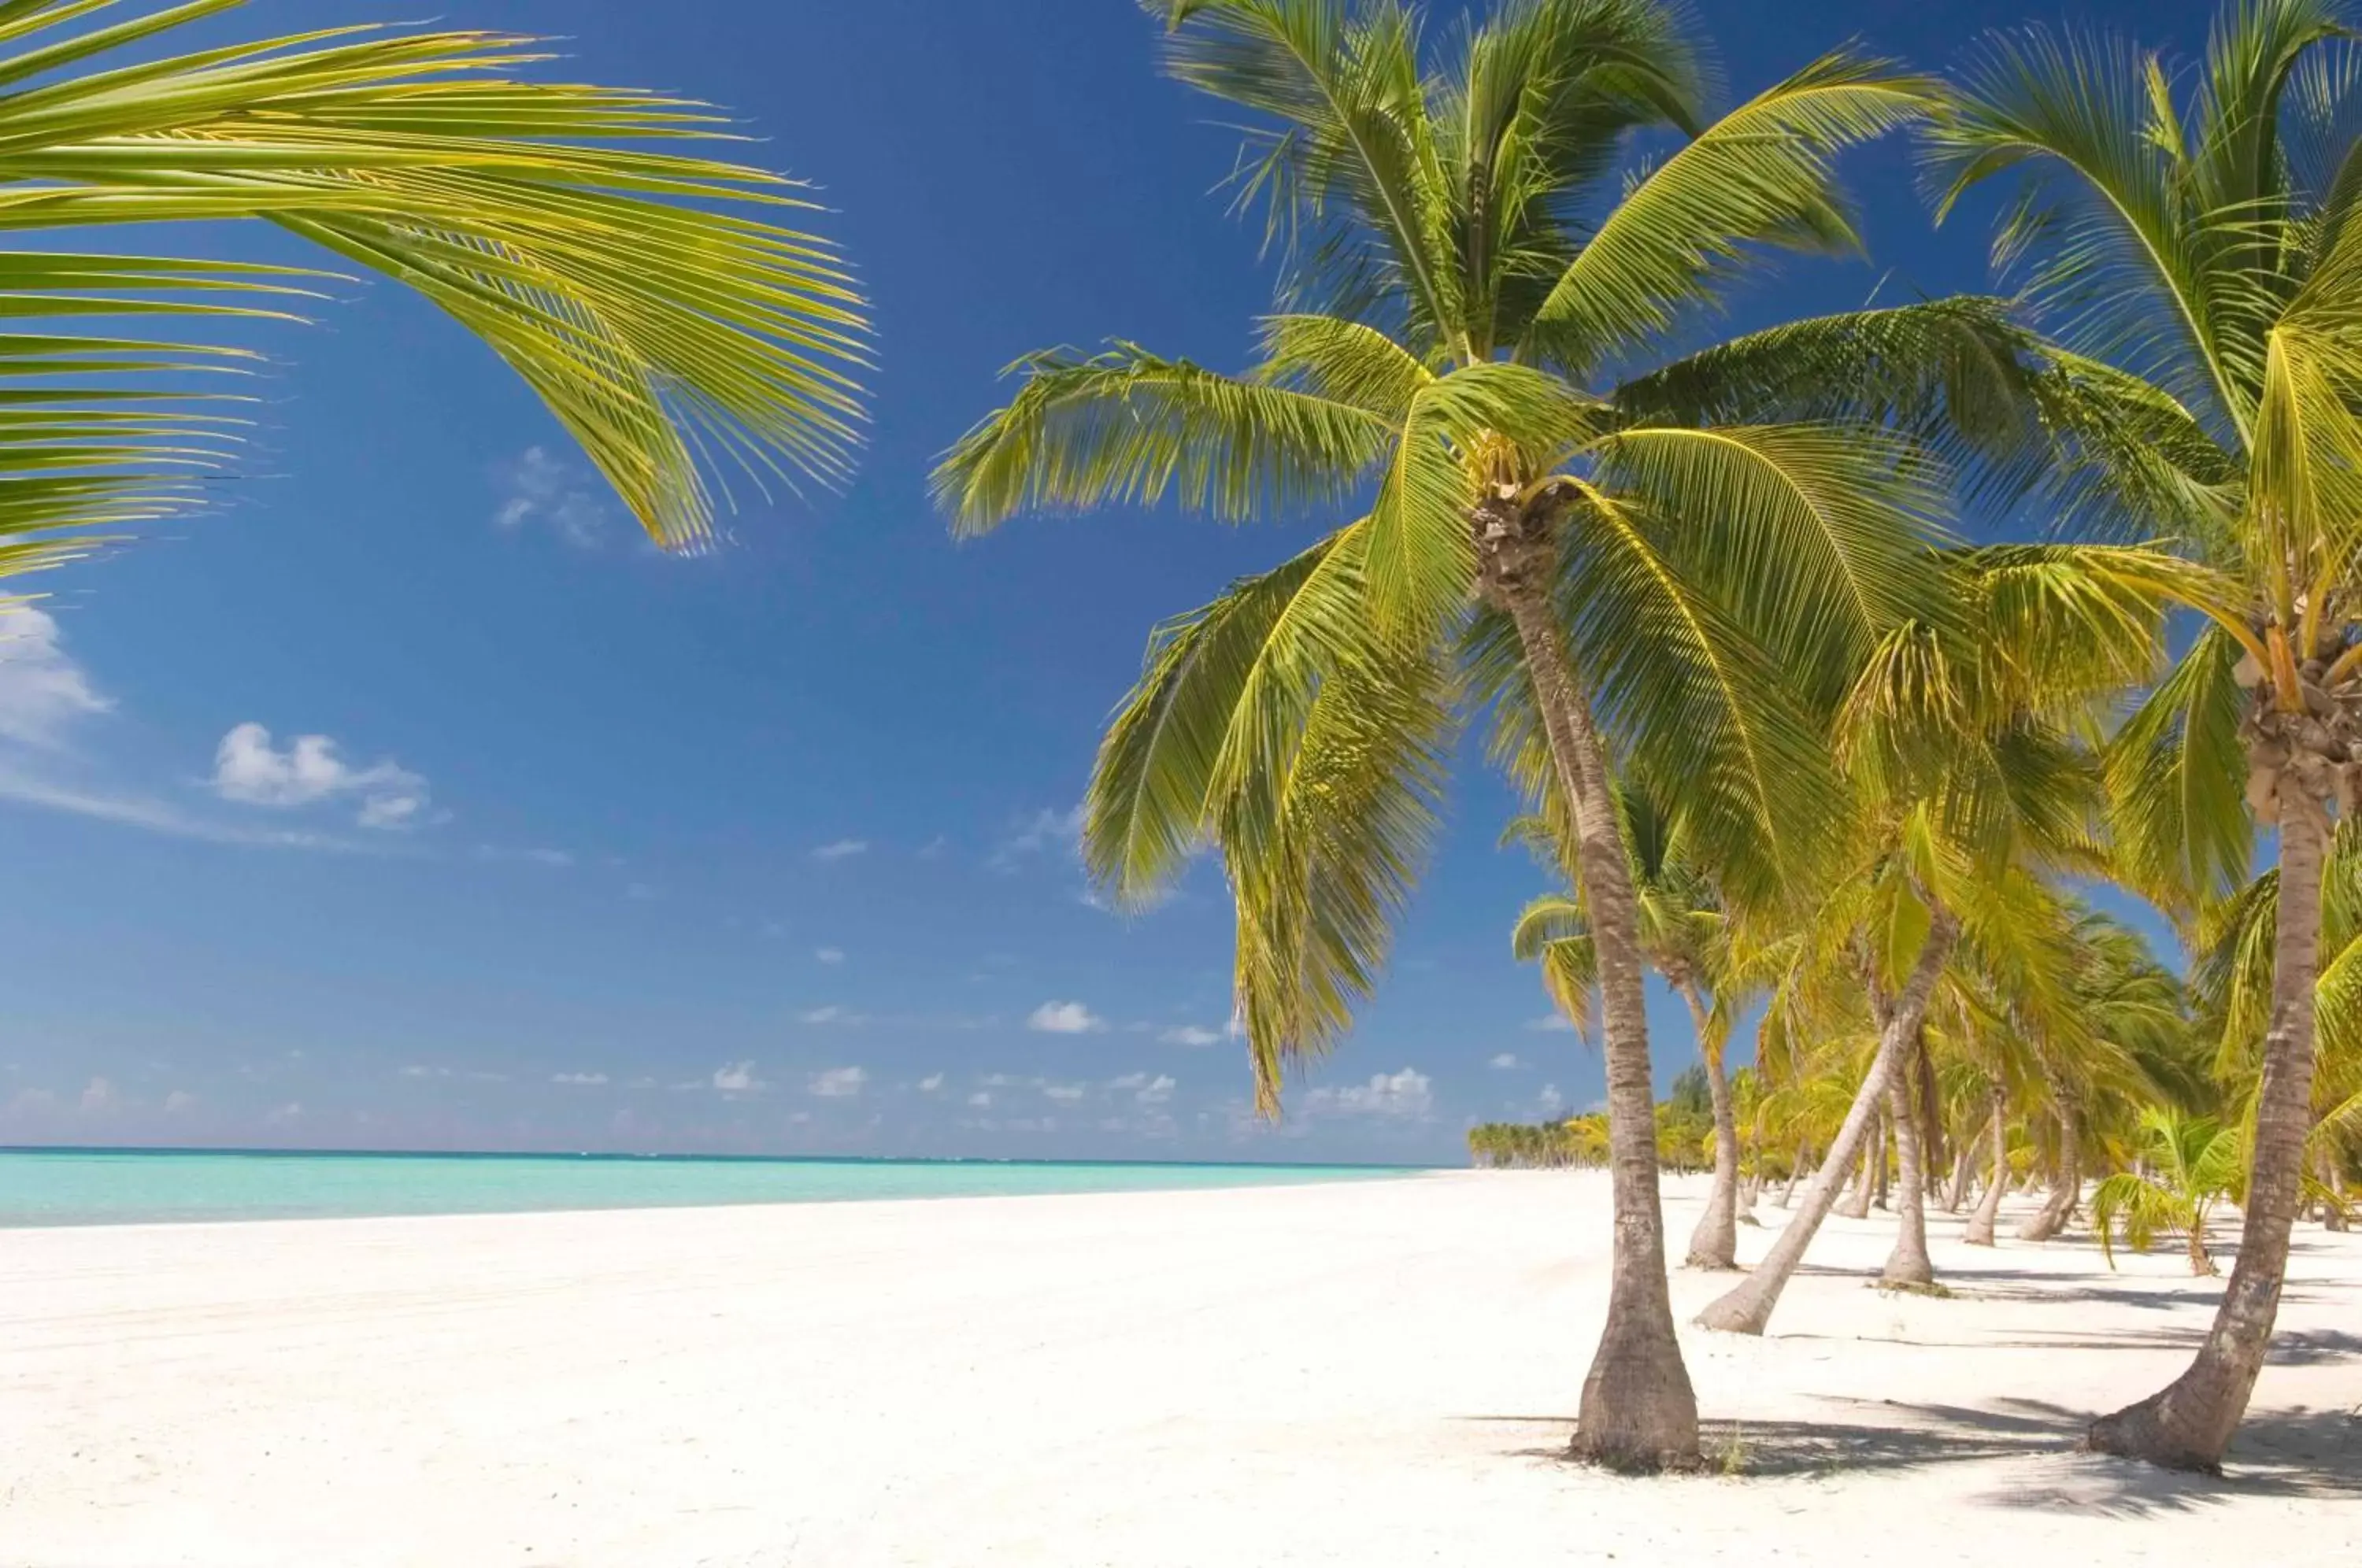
x,y
2189,230
547,218
1680,928
2189,1163
1620,566
1968,790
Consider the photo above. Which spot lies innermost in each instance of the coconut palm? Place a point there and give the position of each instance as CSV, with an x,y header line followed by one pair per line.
x,y
1969,790
1618,564
2188,231
1679,929
557,222
2189,1163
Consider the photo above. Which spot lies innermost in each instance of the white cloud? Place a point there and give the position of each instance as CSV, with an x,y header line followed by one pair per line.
x,y
838,1083
555,859
1064,1018
1550,1102
1045,830
42,689
586,1079
833,1013
538,487
829,954
842,849
249,769
99,1098
1552,1023
1506,1060
177,1101
476,1075
1407,1094
1065,1094
1157,1090
931,1083
738,1077
979,1097
1191,1034
290,1111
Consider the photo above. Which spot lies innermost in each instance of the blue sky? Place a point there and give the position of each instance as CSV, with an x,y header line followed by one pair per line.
x,y
770,851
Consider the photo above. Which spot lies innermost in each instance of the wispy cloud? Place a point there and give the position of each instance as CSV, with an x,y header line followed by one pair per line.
x,y
1551,1023
588,1079
1064,1018
539,490
42,689
931,1083
828,954
737,1078
557,859
1038,835
1147,1090
1191,1034
252,771
841,849
832,1013
838,1083
1505,1061
1403,1096
1065,1094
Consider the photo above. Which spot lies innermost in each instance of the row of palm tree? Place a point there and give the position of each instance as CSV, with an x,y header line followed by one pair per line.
x,y
1787,736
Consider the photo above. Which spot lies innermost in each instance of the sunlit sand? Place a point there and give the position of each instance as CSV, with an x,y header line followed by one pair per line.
x,y
1370,1372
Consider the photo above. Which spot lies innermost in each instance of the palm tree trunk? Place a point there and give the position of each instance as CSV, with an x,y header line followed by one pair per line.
x,y
1638,1410
1964,1160
1714,1243
1981,1223
1908,1263
1796,1175
1746,1309
1879,1149
2332,1186
2066,1184
1857,1201
2188,1424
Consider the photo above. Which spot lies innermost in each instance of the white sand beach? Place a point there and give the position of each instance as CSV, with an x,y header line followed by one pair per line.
x,y
1366,1374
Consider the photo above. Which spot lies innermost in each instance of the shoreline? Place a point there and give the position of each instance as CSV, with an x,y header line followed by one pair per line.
x,y
1369,1372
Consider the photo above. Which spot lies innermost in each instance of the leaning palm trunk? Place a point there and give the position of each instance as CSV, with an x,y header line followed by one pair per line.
x,y
1714,1243
1748,1308
1874,1158
1638,1407
2066,1184
1980,1222
2188,1424
1908,1263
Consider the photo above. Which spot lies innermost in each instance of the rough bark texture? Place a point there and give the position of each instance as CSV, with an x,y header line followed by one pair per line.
x,y
1796,1175
1746,1309
1908,1263
1980,1222
2188,1424
1639,1409
1714,1243
1879,1148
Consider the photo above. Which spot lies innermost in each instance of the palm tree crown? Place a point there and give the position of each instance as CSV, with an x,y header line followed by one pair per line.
x,y
547,218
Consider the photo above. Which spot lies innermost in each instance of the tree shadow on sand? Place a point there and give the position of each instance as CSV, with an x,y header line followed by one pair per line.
x,y
2114,1289
2292,1453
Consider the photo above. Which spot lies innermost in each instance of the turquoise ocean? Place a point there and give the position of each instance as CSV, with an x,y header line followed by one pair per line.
x,y
131,1187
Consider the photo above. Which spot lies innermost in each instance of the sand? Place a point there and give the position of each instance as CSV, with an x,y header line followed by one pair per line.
x,y
1367,1374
